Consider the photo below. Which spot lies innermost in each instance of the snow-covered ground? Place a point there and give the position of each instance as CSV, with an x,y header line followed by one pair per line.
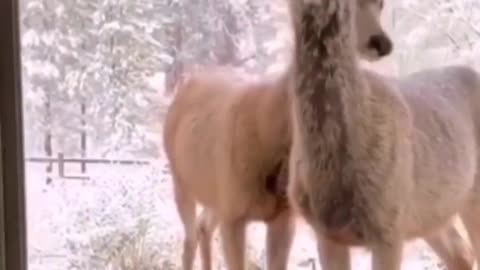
x,y
127,211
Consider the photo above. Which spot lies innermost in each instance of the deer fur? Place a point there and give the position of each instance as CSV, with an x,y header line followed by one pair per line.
x,y
227,140
377,161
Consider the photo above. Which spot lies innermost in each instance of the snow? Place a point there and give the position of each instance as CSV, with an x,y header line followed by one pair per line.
x,y
156,81
43,68
30,38
116,198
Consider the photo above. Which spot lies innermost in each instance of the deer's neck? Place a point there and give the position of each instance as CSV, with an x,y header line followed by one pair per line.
x,y
329,84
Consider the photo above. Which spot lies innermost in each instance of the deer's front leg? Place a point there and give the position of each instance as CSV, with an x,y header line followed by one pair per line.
x,y
387,256
280,233
332,256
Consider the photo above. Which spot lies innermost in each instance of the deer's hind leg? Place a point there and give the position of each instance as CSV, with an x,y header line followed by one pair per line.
x,y
186,209
471,220
451,248
207,224
233,241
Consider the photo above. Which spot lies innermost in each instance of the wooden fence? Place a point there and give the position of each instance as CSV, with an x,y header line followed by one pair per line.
x,y
61,161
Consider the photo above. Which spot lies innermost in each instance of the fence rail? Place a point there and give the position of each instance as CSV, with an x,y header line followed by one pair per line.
x,y
61,161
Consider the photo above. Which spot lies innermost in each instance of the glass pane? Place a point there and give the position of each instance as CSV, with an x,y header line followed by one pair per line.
x,y
98,194
98,77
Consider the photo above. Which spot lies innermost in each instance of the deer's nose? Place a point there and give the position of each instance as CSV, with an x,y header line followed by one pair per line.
x,y
382,44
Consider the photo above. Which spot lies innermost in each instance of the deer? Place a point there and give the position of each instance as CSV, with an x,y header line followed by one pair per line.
x,y
227,139
377,161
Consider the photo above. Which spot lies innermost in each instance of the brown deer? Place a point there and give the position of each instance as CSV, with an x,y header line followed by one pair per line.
x,y
378,161
227,140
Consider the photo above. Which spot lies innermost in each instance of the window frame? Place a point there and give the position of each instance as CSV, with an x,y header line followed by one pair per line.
x,y
13,235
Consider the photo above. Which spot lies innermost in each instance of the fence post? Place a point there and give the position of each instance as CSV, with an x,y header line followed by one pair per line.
x,y
83,137
61,165
47,143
